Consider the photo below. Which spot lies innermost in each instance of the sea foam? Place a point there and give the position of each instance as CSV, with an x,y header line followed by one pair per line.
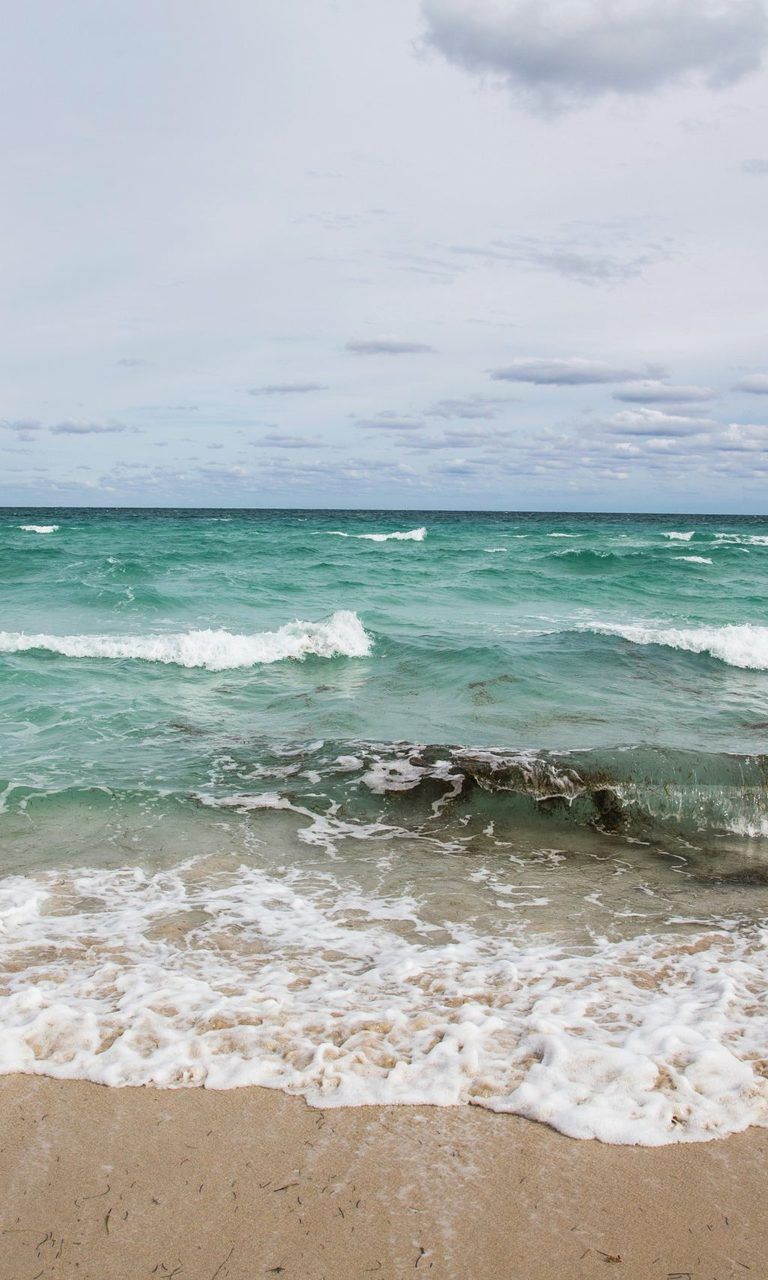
x,y
230,976
38,528
342,635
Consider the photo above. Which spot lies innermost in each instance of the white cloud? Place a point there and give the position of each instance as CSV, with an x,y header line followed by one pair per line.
x,y
563,51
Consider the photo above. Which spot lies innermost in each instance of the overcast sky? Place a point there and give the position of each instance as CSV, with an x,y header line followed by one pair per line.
x,y
458,253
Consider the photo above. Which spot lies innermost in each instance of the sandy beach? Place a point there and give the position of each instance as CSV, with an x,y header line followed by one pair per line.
x,y
108,1184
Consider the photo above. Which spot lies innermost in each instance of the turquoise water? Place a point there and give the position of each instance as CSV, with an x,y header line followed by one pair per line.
x,y
499,731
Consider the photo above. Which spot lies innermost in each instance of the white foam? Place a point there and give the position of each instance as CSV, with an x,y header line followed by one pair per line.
x,y
738,646
342,634
679,537
228,976
39,528
412,535
492,551
694,559
563,535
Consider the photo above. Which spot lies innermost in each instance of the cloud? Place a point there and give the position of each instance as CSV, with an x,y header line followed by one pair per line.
x,y
651,391
567,373
389,422
585,264
287,389
23,428
756,166
560,53
129,362
282,440
72,428
386,347
653,422
756,384
467,407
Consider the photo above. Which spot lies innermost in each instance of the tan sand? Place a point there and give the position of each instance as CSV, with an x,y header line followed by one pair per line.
x,y
105,1183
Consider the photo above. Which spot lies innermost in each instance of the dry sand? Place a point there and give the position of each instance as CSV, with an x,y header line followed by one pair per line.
x,y
105,1183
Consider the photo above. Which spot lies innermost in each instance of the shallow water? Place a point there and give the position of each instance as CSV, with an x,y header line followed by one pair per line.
x,y
487,824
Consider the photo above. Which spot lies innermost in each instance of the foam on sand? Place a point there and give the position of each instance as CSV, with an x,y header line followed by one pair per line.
x,y
738,646
342,635
227,976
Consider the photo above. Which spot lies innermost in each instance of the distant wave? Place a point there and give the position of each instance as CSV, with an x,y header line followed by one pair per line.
x,y
752,539
39,528
341,635
679,537
413,535
738,646
694,559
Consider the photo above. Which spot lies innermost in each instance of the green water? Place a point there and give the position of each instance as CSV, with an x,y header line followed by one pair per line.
x,y
332,787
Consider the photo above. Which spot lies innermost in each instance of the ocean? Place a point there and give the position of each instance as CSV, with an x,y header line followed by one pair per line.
x,y
391,807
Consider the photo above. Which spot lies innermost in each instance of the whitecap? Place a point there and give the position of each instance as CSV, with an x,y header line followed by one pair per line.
x,y
694,559
679,537
39,528
342,635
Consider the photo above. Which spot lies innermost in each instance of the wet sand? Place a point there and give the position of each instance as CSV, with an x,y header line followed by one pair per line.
x,y
108,1184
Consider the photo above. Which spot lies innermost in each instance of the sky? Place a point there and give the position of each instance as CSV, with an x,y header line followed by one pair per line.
x,y
504,254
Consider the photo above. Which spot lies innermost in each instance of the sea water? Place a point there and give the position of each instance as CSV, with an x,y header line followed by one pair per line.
x,y
379,807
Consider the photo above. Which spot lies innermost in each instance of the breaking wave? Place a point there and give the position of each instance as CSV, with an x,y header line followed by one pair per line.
x,y
342,635
39,528
745,645
412,535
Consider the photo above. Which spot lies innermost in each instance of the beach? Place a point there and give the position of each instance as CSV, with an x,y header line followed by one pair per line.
x,y
203,1185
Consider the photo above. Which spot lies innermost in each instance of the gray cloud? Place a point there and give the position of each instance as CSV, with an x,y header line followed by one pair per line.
x,y
386,347
467,407
389,422
564,53
652,391
755,383
72,428
282,440
23,428
129,362
586,265
568,373
287,389
756,166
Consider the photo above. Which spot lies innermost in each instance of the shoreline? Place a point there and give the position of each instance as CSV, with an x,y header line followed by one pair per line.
x,y
112,1184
